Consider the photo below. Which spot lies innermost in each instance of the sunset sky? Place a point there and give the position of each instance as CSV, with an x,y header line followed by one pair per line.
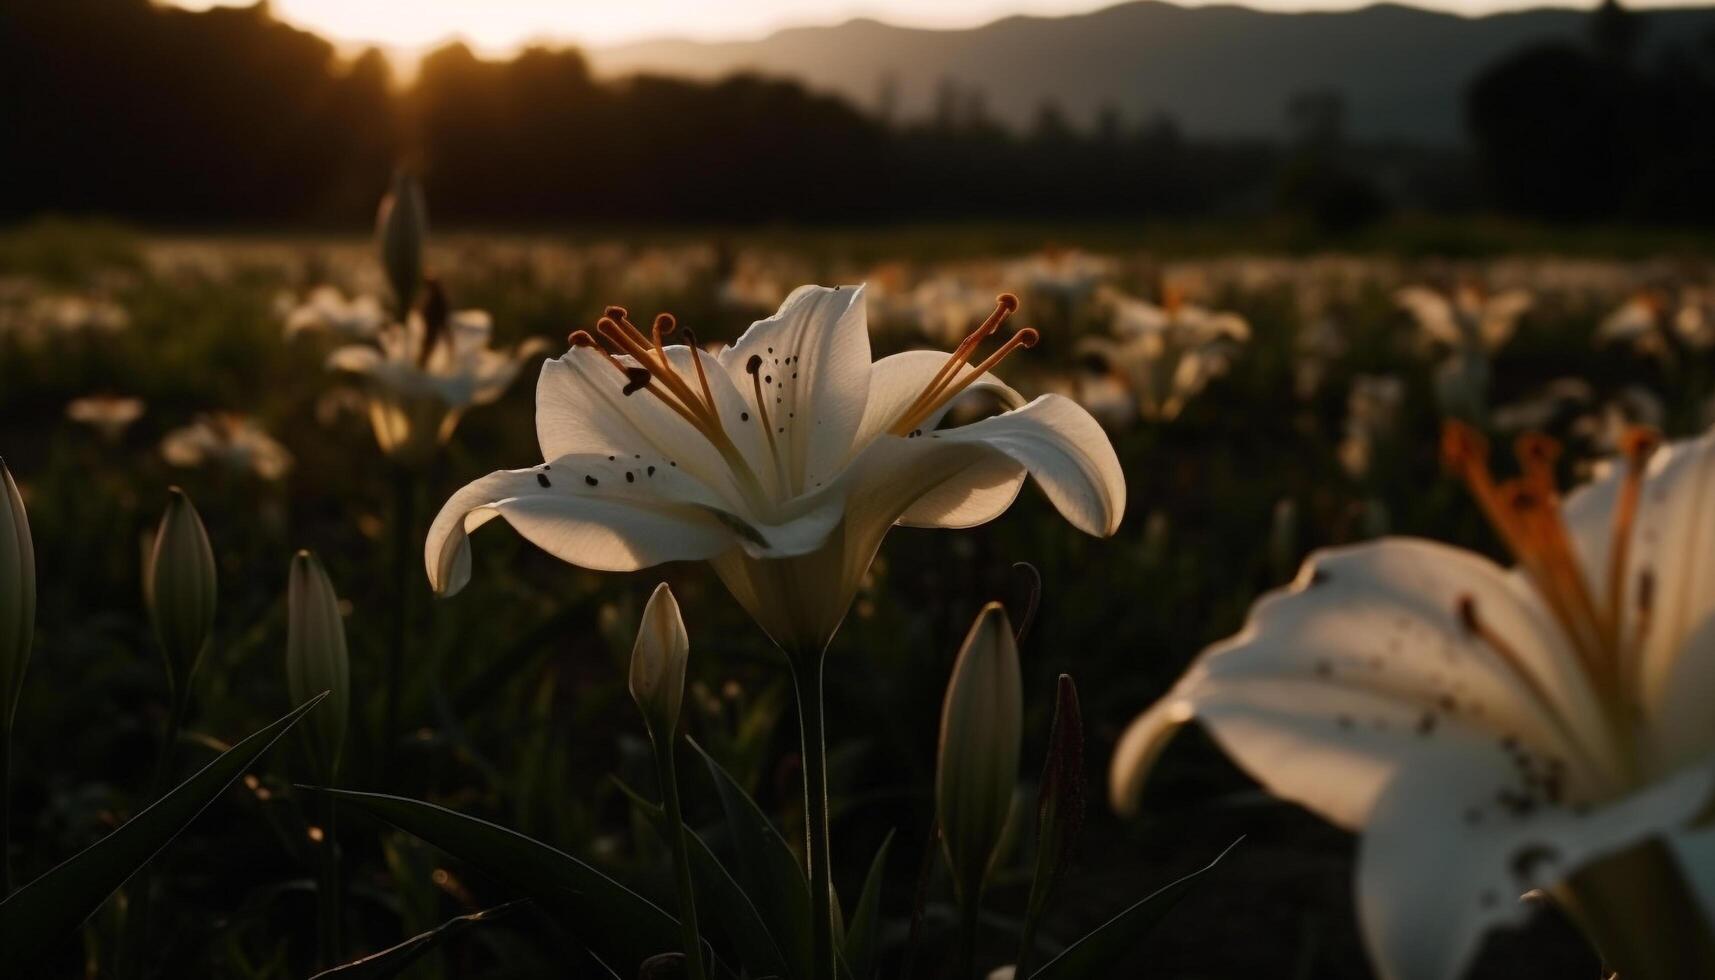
x,y
497,26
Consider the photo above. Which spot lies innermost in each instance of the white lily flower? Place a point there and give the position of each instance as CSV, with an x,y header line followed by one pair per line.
x,y
1652,326
1466,318
1491,732
229,439
327,310
1471,325
109,415
1169,353
423,374
782,461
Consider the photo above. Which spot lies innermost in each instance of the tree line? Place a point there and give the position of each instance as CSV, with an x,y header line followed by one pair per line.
x,y
230,117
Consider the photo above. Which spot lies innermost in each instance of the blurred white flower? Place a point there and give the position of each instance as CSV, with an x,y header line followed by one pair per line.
x,y
1167,354
783,461
327,310
423,374
234,441
1469,318
1066,275
1470,325
1652,326
109,415
945,306
1592,428
1372,419
1492,732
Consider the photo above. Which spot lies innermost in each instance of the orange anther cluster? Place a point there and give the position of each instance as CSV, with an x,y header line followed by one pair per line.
x,y
948,383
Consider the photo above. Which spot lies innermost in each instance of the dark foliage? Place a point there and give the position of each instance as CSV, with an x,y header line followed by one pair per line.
x,y
1590,131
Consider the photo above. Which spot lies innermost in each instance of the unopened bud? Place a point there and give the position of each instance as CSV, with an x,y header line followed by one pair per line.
x,y
316,659
977,768
658,664
401,228
17,595
179,588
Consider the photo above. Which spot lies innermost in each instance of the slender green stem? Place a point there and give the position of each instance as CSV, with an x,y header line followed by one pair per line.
x,y
689,933
807,681
968,937
404,517
328,889
5,811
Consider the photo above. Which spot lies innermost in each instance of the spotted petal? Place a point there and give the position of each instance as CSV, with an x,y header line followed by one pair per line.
x,y
611,514
1439,865
581,407
813,373
1361,670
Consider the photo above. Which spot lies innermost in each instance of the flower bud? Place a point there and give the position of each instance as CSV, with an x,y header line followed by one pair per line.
x,y
316,659
981,730
17,595
179,588
658,664
401,228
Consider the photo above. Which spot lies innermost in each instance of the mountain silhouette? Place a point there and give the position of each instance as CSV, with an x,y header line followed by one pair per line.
x,y
1219,71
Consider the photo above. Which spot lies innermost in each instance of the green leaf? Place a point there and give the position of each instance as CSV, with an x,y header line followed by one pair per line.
x,y
620,925
765,868
389,962
1097,954
861,936
721,896
55,904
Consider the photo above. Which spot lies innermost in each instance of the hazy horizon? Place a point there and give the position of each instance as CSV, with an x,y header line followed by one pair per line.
x,y
500,27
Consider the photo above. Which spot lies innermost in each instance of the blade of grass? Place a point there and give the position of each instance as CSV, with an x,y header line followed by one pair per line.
x,y
52,906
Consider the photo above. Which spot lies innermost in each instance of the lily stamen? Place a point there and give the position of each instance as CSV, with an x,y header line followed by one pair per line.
x,y
703,379
947,384
1026,337
1637,446
647,365
753,367
626,335
663,327
1525,514
1474,626
1005,305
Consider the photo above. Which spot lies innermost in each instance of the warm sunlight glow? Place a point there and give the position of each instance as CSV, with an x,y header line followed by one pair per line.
x,y
408,27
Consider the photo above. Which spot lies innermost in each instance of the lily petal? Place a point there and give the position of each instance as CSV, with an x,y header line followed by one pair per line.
x,y
1363,667
1052,439
814,372
581,407
609,515
1672,539
1438,867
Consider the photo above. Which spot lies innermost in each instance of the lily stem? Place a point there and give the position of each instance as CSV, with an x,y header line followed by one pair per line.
x,y
968,937
327,890
404,516
807,681
667,771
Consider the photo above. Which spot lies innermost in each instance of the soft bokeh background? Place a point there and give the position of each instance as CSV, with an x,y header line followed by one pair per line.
x,y
181,187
